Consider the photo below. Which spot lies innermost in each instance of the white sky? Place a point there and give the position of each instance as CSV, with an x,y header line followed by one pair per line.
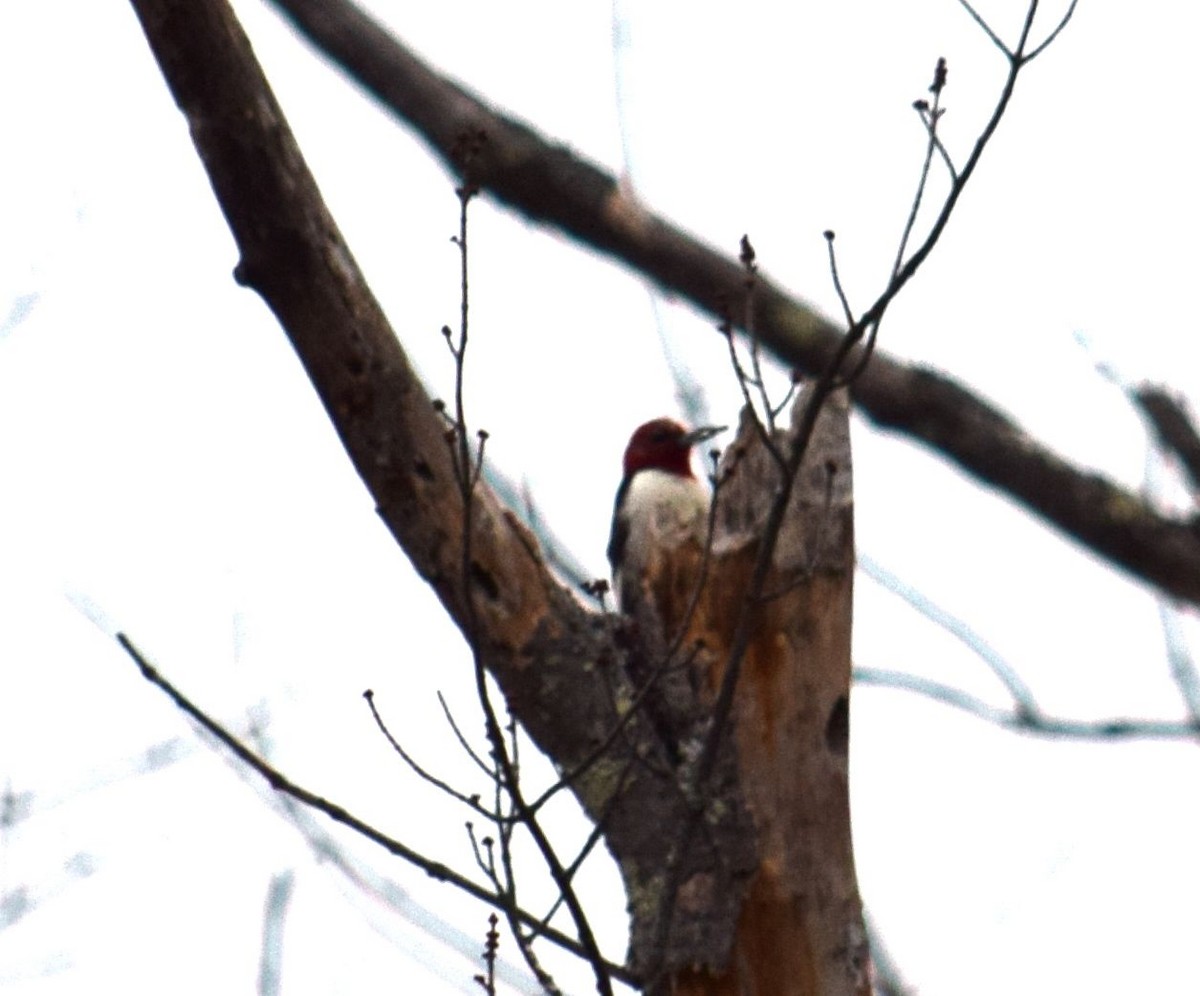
x,y
166,470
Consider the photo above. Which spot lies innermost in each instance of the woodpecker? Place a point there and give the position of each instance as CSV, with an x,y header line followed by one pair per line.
x,y
660,523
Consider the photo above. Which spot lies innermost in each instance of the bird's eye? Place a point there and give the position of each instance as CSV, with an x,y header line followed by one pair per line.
x,y
661,436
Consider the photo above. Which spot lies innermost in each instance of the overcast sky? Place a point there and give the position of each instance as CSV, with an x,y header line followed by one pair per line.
x,y
166,470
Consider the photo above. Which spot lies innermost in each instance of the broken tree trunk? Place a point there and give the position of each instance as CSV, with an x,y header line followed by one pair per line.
x,y
799,930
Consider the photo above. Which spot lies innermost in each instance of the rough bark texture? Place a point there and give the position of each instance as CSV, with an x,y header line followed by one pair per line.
x,y
800,929
550,184
569,675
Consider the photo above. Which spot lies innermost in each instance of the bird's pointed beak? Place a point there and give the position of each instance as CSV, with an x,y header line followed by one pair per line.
x,y
702,433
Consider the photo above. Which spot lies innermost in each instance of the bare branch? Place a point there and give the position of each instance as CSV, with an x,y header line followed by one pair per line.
x,y
470,801
1021,693
1053,34
507,773
847,311
746,256
931,115
986,28
1183,666
462,740
281,783
1173,426
279,895
1040,724
491,944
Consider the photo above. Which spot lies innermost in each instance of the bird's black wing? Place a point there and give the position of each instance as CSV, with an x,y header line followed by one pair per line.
x,y
620,528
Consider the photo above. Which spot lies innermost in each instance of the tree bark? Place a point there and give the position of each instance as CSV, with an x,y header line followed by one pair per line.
x,y
800,929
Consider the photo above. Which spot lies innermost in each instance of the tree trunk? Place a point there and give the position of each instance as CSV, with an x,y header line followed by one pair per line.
x,y
799,931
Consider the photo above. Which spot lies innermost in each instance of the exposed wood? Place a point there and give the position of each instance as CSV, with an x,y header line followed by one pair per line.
x,y
800,931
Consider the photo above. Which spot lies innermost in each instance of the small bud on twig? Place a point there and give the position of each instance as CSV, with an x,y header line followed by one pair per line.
x,y
939,77
747,254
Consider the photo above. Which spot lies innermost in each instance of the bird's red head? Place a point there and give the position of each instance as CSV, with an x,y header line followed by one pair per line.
x,y
664,444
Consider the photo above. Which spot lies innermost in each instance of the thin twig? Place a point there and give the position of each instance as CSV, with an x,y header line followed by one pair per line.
x,y
281,783
597,831
1021,693
468,473
626,715
279,895
986,29
745,381
485,859
491,945
789,395
1179,657
470,801
746,257
847,312
875,313
1038,50
462,740
931,114
1117,728
507,824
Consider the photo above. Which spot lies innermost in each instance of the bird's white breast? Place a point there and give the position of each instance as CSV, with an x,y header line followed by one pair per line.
x,y
659,512
665,508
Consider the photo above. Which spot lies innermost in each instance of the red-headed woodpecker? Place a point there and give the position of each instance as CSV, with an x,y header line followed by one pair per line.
x,y
660,522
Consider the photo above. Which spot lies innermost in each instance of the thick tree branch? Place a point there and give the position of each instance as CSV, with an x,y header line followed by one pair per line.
x,y
550,184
